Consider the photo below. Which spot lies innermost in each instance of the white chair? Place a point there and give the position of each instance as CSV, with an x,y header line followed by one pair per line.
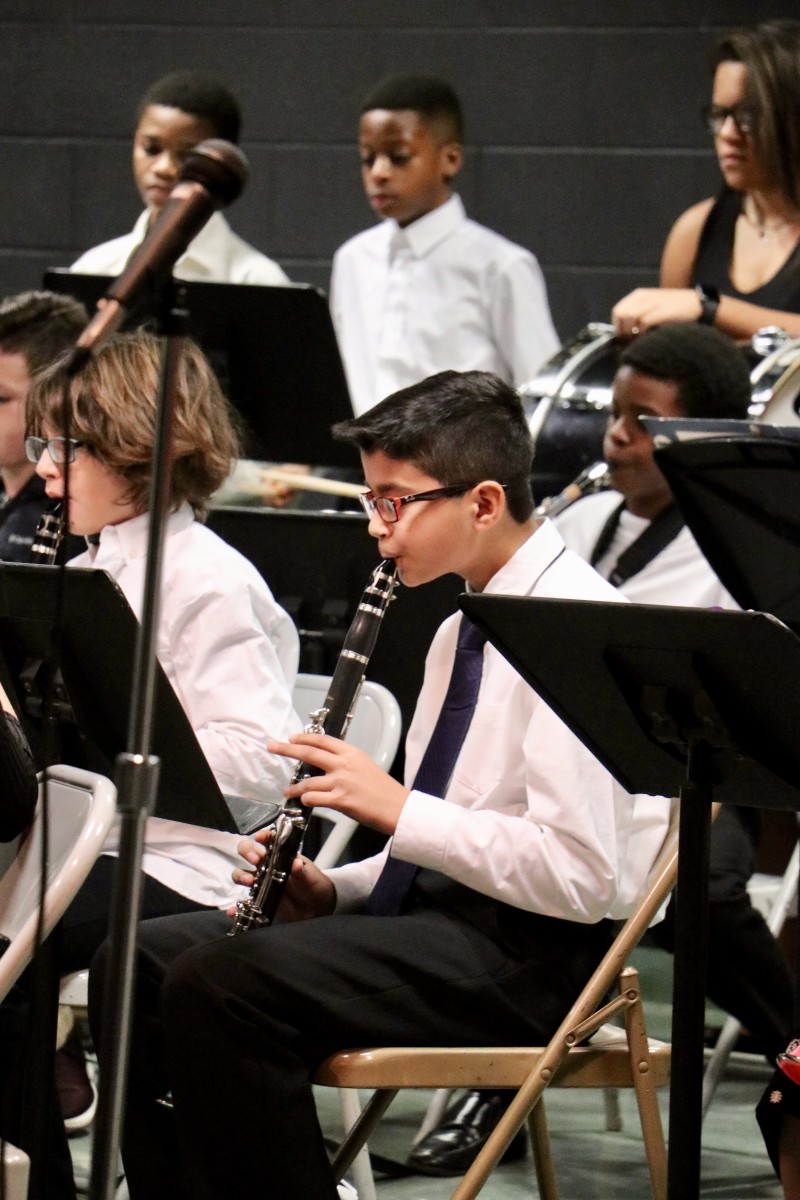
x,y
375,728
81,807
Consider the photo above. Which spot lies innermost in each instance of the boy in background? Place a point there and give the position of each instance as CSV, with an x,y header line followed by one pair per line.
x,y
429,289
35,328
174,115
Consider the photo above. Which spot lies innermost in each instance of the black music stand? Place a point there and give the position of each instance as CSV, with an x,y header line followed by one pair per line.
x,y
275,354
93,696
741,500
668,701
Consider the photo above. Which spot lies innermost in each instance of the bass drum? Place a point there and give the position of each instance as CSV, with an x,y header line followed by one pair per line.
x,y
567,406
776,379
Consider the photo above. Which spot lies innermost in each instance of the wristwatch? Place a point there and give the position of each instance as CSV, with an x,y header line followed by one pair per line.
x,y
709,303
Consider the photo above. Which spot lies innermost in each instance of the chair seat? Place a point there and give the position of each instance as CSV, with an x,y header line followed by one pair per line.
x,y
420,1067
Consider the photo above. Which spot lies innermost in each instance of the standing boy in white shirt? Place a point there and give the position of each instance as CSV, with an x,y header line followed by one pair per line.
x,y
174,115
516,861
429,289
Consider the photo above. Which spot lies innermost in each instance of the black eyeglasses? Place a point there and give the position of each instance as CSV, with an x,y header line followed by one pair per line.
x,y
388,507
60,449
742,115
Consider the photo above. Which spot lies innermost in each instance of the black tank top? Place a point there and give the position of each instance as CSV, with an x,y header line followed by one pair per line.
x,y
714,253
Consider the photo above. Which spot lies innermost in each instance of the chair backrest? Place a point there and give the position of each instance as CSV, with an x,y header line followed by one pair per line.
x,y
376,723
375,729
81,807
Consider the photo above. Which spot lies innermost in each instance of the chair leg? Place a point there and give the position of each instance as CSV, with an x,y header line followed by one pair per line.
x,y
358,1135
715,1067
612,1111
361,1170
542,1156
646,1094
433,1113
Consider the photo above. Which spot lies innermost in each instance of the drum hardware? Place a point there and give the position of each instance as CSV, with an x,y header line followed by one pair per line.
x,y
775,379
767,340
567,406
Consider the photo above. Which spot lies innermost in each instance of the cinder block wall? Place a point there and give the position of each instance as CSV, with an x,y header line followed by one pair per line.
x,y
583,133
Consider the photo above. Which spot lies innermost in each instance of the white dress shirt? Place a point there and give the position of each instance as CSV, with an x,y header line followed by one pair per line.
x,y
230,653
530,816
215,255
678,574
443,293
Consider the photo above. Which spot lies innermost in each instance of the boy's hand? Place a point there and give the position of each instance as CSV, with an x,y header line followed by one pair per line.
x,y
308,893
352,783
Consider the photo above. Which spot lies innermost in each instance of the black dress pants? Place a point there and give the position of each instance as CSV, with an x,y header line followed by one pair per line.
x,y
235,1027
747,973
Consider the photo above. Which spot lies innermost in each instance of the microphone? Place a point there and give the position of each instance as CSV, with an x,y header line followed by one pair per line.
x,y
212,176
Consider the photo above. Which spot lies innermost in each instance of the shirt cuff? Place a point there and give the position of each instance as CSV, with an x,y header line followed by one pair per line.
x,y
425,829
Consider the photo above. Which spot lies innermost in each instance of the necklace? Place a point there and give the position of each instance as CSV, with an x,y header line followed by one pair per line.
x,y
764,229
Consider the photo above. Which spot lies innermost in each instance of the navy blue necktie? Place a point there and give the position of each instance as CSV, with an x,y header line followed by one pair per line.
x,y
433,775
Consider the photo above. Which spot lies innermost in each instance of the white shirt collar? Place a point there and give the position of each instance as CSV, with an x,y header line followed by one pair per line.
x,y
520,575
128,540
206,250
424,234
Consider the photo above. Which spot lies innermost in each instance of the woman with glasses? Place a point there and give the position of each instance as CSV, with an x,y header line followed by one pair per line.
x,y
734,261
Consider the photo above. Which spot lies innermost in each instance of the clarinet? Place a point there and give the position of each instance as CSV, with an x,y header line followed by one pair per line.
x,y
49,536
594,478
333,718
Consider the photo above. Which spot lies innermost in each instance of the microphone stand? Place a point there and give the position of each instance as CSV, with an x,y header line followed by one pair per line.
x,y
136,777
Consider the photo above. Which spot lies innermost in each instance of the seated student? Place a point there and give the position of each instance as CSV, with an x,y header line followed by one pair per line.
x,y
429,289
634,534
175,113
519,845
35,328
229,651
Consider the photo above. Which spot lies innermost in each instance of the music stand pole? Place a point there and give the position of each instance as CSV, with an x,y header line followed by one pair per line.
x,y
137,781
689,979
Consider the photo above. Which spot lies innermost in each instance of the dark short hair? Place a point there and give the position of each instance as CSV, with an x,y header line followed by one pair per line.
x,y
40,326
433,99
708,367
771,53
202,96
457,427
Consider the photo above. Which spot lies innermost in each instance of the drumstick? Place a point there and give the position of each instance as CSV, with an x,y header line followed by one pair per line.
x,y
309,483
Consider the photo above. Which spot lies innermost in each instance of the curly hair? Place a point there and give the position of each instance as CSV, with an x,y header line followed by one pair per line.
x,y
113,411
202,96
434,100
708,367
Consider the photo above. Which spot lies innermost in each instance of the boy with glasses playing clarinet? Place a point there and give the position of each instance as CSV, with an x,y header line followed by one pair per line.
x,y
511,848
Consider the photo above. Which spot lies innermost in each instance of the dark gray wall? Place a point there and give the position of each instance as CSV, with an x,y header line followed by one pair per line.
x,y
583,136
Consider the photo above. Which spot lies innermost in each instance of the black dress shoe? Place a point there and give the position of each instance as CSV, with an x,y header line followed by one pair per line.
x,y
453,1145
